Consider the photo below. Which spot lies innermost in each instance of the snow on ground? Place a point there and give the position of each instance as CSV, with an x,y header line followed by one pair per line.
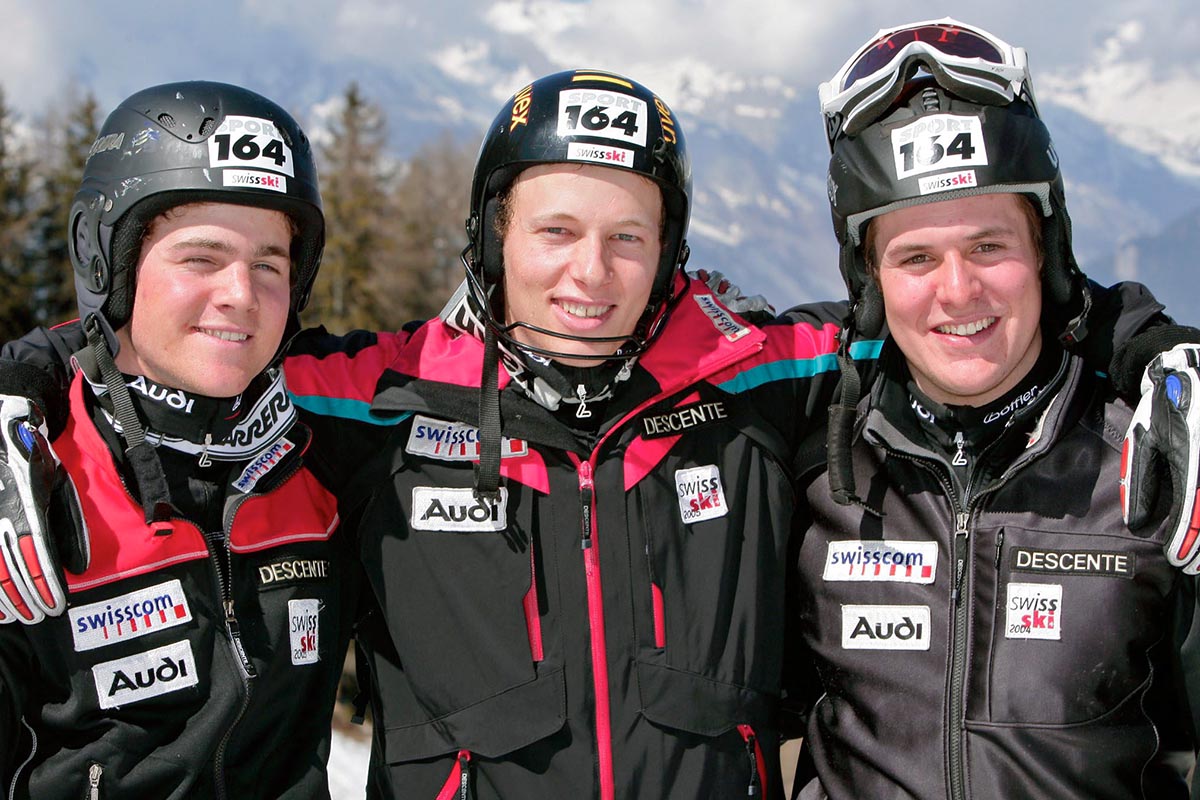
x,y
348,759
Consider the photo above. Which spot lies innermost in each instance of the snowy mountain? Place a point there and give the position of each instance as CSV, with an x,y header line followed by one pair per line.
x,y
759,159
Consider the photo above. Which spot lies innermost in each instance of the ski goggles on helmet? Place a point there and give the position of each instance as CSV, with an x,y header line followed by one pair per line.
x,y
965,60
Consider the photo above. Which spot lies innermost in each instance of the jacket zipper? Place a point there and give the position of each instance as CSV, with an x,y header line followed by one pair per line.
x,y
956,705
225,589
95,773
12,789
533,621
756,787
595,601
958,668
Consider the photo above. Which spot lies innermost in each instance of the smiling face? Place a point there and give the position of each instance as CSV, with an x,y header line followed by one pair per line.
x,y
212,298
581,249
962,293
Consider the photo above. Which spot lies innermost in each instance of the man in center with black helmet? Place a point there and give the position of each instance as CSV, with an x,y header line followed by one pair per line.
x,y
980,620
575,531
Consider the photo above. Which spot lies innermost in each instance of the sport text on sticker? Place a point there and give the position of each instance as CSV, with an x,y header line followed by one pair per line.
x,y
939,142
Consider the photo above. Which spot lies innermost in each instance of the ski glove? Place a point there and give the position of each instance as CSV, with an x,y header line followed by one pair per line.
x,y
38,502
1163,443
731,296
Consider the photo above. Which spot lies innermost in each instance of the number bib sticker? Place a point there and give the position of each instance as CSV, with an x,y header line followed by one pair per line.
x,y
611,115
938,142
250,142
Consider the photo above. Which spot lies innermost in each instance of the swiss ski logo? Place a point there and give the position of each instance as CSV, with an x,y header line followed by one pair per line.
x,y
701,495
892,560
885,628
304,617
721,319
457,510
145,675
129,616
1034,611
454,441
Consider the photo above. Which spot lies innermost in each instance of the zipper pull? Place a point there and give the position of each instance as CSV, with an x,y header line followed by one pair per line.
x,y
999,545
752,789
586,495
235,635
95,773
584,412
960,534
960,458
464,775
205,461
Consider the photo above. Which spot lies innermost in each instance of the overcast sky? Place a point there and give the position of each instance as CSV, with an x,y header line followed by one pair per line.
x,y
117,48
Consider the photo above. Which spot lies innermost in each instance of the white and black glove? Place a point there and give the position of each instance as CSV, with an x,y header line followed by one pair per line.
x,y
731,295
41,525
1163,443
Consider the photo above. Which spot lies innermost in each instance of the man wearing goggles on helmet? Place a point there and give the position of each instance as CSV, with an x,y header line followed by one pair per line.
x,y
204,631
982,621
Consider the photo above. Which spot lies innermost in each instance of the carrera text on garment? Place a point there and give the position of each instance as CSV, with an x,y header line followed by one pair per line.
x,y
304,630
129,616
885,627
890,560
145,675
454,441
1073,562
1034,611
684,418
293,569
457,510
701,495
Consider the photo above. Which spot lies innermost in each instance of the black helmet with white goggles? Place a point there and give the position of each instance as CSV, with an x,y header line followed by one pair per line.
x,y
934,146
578,117
966,60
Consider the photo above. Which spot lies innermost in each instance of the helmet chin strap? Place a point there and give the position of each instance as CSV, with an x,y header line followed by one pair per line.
x,y
151,480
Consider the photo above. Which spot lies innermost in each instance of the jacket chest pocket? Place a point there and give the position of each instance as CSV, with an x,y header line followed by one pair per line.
x,y
1073,619
457,581
708,576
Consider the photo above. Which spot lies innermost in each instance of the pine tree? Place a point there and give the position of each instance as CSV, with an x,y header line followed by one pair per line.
x,y
356,181
18,300
70,129
431,201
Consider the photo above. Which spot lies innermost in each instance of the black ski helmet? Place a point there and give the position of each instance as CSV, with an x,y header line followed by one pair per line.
x,y
188,142
579,117
930,146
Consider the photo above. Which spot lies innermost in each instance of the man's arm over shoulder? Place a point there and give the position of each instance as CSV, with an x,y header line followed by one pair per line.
x,y
335,376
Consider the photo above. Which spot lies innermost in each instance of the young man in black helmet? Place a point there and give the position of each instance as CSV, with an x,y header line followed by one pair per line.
x,y
982,622
202,640
575,530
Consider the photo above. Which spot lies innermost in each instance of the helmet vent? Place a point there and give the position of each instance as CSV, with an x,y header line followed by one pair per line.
x,y
929,100
207,126
166,120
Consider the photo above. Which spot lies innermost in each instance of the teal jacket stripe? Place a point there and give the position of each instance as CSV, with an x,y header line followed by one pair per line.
x,y
798,368
357,410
